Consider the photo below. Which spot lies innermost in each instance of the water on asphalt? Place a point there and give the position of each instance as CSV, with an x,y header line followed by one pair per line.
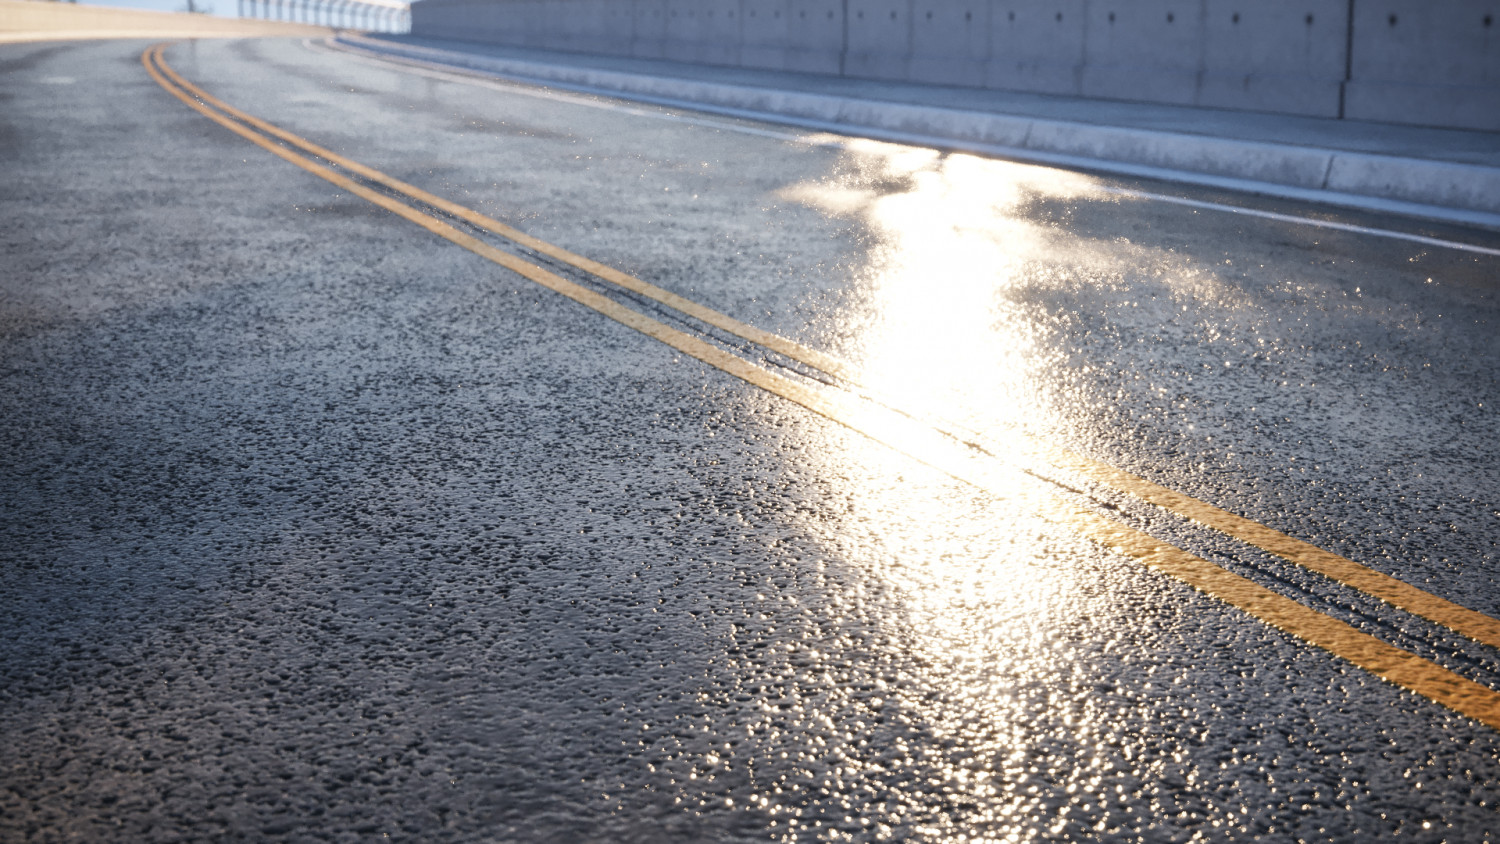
x,y
318,527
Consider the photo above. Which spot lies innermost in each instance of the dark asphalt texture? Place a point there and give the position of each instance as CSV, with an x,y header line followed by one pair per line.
x,y
317,527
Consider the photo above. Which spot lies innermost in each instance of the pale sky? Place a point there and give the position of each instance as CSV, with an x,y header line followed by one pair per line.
x,y
221,8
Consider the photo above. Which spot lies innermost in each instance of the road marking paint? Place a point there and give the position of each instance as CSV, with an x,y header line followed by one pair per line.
x,y
1398,593
461,75
1305,221
774,342
1474,625
927,445
557,92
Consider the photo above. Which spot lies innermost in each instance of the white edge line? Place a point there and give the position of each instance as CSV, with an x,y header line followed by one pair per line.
x,y
1345,200
1292,218
543,90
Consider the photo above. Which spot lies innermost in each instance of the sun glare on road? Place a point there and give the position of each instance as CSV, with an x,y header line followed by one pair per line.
x,y
940,330
991,595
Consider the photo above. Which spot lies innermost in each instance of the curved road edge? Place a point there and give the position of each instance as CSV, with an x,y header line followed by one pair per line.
x,y
1437,190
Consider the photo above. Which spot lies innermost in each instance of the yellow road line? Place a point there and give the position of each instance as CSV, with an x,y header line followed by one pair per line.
x,y
929,446
1398,593
774,342
1475,625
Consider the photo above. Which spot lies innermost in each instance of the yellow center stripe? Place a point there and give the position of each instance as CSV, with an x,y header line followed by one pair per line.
x,y
774,342
1402,595
897,430
1475,625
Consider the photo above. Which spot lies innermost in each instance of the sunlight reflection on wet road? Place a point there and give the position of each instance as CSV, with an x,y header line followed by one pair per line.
x,y
987,604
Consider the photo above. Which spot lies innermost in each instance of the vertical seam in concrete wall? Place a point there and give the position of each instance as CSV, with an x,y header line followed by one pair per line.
x,y
1202,67
989,44
1087,48
844,39
911,32
1348,56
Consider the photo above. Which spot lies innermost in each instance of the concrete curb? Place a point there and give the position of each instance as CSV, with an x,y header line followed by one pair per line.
x,y
1438,190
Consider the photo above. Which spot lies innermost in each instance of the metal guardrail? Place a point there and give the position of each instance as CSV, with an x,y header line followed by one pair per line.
x,y
368,15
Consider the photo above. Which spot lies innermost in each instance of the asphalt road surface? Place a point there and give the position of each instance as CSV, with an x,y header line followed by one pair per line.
x,y
320,523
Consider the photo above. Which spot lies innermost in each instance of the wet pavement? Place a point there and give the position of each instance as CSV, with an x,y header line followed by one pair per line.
x,y
319,527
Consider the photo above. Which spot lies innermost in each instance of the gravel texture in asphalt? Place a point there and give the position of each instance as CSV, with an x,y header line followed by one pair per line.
x,y
318,527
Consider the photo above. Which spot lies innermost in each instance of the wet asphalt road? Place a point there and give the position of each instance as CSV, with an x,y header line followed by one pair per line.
x,y
318,527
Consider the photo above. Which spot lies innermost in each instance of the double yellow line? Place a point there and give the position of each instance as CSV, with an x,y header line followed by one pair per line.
x,y
925,442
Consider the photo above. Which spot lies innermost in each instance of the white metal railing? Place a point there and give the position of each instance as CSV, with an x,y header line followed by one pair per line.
x,y
368,15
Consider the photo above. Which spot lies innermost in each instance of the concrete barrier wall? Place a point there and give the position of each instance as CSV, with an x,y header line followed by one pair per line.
x,y
1422,61
1428,62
